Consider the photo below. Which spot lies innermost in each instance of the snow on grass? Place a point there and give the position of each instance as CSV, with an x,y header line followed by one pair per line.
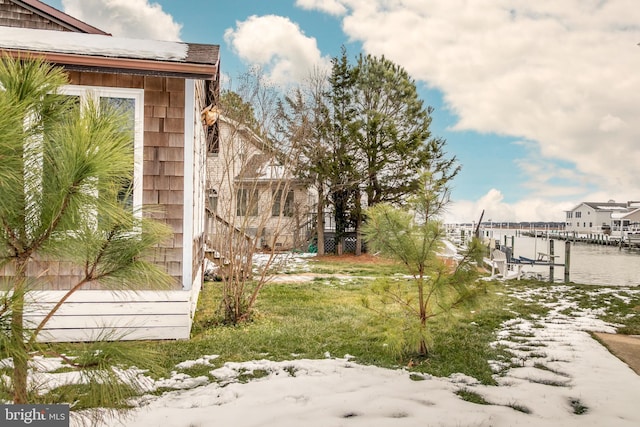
x,y
557,375
288,262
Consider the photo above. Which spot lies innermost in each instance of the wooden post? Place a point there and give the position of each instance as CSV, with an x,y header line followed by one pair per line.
x,y
551,261
567,260
513,246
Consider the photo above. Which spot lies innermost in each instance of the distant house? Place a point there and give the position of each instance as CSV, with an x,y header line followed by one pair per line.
x,y
252,193
627,221
593,217
166,85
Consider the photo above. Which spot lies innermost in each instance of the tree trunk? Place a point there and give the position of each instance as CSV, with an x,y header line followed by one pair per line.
x,y
423,317
358,224
320,220
17,340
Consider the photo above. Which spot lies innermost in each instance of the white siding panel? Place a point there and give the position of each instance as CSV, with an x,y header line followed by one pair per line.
x,y
112,315
124,334
109,321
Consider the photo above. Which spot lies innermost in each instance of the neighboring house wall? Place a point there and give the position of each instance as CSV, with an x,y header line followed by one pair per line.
x,y
623,223
239,152
163,170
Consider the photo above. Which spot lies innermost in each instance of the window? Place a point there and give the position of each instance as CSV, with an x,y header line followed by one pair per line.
x,y
131,103
212,198
247,202
127,107
277,207
569,214
578,214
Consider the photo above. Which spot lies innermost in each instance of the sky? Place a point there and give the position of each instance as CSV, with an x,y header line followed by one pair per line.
x,y
539,101
555,366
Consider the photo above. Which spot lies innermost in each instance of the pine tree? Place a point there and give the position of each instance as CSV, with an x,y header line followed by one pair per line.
x,y
393,130
62,172
343,173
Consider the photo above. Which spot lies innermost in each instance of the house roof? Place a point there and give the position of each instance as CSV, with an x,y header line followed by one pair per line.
x,y
625,214
608,206
52,14
103,52
603,206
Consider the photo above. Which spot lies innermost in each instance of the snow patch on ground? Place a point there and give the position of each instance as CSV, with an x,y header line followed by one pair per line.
x,y
556,375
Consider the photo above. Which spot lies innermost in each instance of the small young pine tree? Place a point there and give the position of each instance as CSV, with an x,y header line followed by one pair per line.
x,y
414,237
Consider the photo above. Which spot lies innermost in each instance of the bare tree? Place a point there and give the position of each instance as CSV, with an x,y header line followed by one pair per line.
x,y
303,118
256,204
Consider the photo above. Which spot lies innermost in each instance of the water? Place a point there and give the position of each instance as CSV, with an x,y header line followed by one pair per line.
x,y
590,264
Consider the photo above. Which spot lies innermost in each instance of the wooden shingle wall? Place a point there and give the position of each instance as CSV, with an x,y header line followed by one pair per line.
x,y
163,183
12,15
163,173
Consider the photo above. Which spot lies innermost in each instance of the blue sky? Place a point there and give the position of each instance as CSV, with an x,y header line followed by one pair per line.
x,y
539,101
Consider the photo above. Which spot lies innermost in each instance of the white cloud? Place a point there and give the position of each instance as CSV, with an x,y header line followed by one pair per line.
x,y
278,45
333,7
495,207
611,123
563,75
138,19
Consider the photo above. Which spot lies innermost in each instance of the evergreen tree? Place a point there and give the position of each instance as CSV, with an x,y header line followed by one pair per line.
x,y
393,130
414,237
341,137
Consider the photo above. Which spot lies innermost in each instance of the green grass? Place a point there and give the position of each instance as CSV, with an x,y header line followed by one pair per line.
x,y
311,320
518,407
577,407
472,396
329,264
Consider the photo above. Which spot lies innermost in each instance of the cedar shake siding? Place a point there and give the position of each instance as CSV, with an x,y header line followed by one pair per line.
x,y
163,175
12,15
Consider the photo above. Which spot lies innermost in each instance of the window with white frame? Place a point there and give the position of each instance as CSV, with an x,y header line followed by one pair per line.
x,y
247,202
131,103
282,205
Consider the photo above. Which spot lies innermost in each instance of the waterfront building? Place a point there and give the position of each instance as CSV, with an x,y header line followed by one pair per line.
x,y
592,217
603,217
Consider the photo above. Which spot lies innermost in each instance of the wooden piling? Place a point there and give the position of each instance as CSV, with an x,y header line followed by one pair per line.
x,y
567,260
551,261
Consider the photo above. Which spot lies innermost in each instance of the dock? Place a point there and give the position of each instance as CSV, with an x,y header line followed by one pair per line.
x,y
503,264
630,240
